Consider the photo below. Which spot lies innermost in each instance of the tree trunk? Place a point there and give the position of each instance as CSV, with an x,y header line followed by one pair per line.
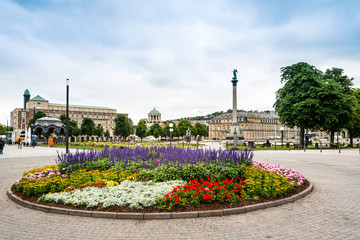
x,y
302,134
332,134
351,138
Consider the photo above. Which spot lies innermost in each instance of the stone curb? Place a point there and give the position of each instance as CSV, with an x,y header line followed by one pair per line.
x,y
151,216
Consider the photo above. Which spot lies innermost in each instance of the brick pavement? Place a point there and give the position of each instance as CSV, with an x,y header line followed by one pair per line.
x,y
331,211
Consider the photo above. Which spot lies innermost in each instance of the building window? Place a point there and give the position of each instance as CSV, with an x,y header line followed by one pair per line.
x,y
23,114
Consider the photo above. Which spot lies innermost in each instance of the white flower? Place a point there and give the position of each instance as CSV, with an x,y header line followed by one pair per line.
x,y
132,193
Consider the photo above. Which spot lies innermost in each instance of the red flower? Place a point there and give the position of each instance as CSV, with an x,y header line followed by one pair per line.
x,y
206,196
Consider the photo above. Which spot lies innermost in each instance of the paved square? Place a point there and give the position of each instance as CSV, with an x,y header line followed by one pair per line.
x,y
331,211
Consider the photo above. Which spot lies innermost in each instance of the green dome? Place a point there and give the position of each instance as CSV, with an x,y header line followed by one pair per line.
x,y
38,98
26,93
154,111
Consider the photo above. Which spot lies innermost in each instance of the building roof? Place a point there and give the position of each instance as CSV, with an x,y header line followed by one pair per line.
x,y
78,106
38,98
26,93
154,111
247,114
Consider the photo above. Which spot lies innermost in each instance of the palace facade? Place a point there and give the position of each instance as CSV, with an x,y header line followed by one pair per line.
x,y
254,126
20,117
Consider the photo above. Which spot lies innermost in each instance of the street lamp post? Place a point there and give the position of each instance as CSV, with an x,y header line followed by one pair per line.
x,y
171,130
6,134
282,136
67,117
33,127
197,142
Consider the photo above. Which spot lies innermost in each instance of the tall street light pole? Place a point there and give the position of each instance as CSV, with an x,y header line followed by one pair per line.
x,y
171,129
33,127
67,117
282,137
6,134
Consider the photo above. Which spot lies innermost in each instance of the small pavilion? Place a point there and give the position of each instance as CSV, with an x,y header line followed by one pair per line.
x,y
154,116
53,125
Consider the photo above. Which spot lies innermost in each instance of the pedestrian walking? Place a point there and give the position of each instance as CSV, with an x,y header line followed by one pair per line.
x,y
2,145
51,142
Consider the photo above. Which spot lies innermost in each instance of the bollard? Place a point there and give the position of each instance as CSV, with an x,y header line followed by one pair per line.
x,y
289,147
320,147
339,148
275,146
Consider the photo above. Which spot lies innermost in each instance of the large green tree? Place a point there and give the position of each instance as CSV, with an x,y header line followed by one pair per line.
x,y
297,102
3,129
201,130
353,125
338,102
166,130
132,127
87,127
141,129
184,125
122,126
157,127
337,75
107,134
74,130
99,130
156,133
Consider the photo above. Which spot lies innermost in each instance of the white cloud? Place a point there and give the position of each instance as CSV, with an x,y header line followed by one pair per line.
x,y
177,56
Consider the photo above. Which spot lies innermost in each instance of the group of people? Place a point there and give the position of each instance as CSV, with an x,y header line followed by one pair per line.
x,y
21,143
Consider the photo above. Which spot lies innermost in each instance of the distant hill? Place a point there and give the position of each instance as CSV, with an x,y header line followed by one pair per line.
x,y
215,114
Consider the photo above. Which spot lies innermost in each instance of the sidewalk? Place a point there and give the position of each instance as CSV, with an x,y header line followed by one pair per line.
x,y
12,151
331,211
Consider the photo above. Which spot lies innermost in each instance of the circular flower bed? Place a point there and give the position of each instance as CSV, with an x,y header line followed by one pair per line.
x,y
154,179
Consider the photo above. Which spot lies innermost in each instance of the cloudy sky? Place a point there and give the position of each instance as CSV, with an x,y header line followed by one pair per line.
x,y
177,56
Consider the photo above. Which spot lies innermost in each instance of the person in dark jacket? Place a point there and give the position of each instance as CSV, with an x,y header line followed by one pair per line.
x,y
2,145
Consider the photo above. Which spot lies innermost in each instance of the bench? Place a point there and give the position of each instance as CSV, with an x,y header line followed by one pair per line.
x,y
333,146
297,145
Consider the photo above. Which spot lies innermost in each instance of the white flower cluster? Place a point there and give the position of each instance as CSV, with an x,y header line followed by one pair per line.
x,y
132,193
